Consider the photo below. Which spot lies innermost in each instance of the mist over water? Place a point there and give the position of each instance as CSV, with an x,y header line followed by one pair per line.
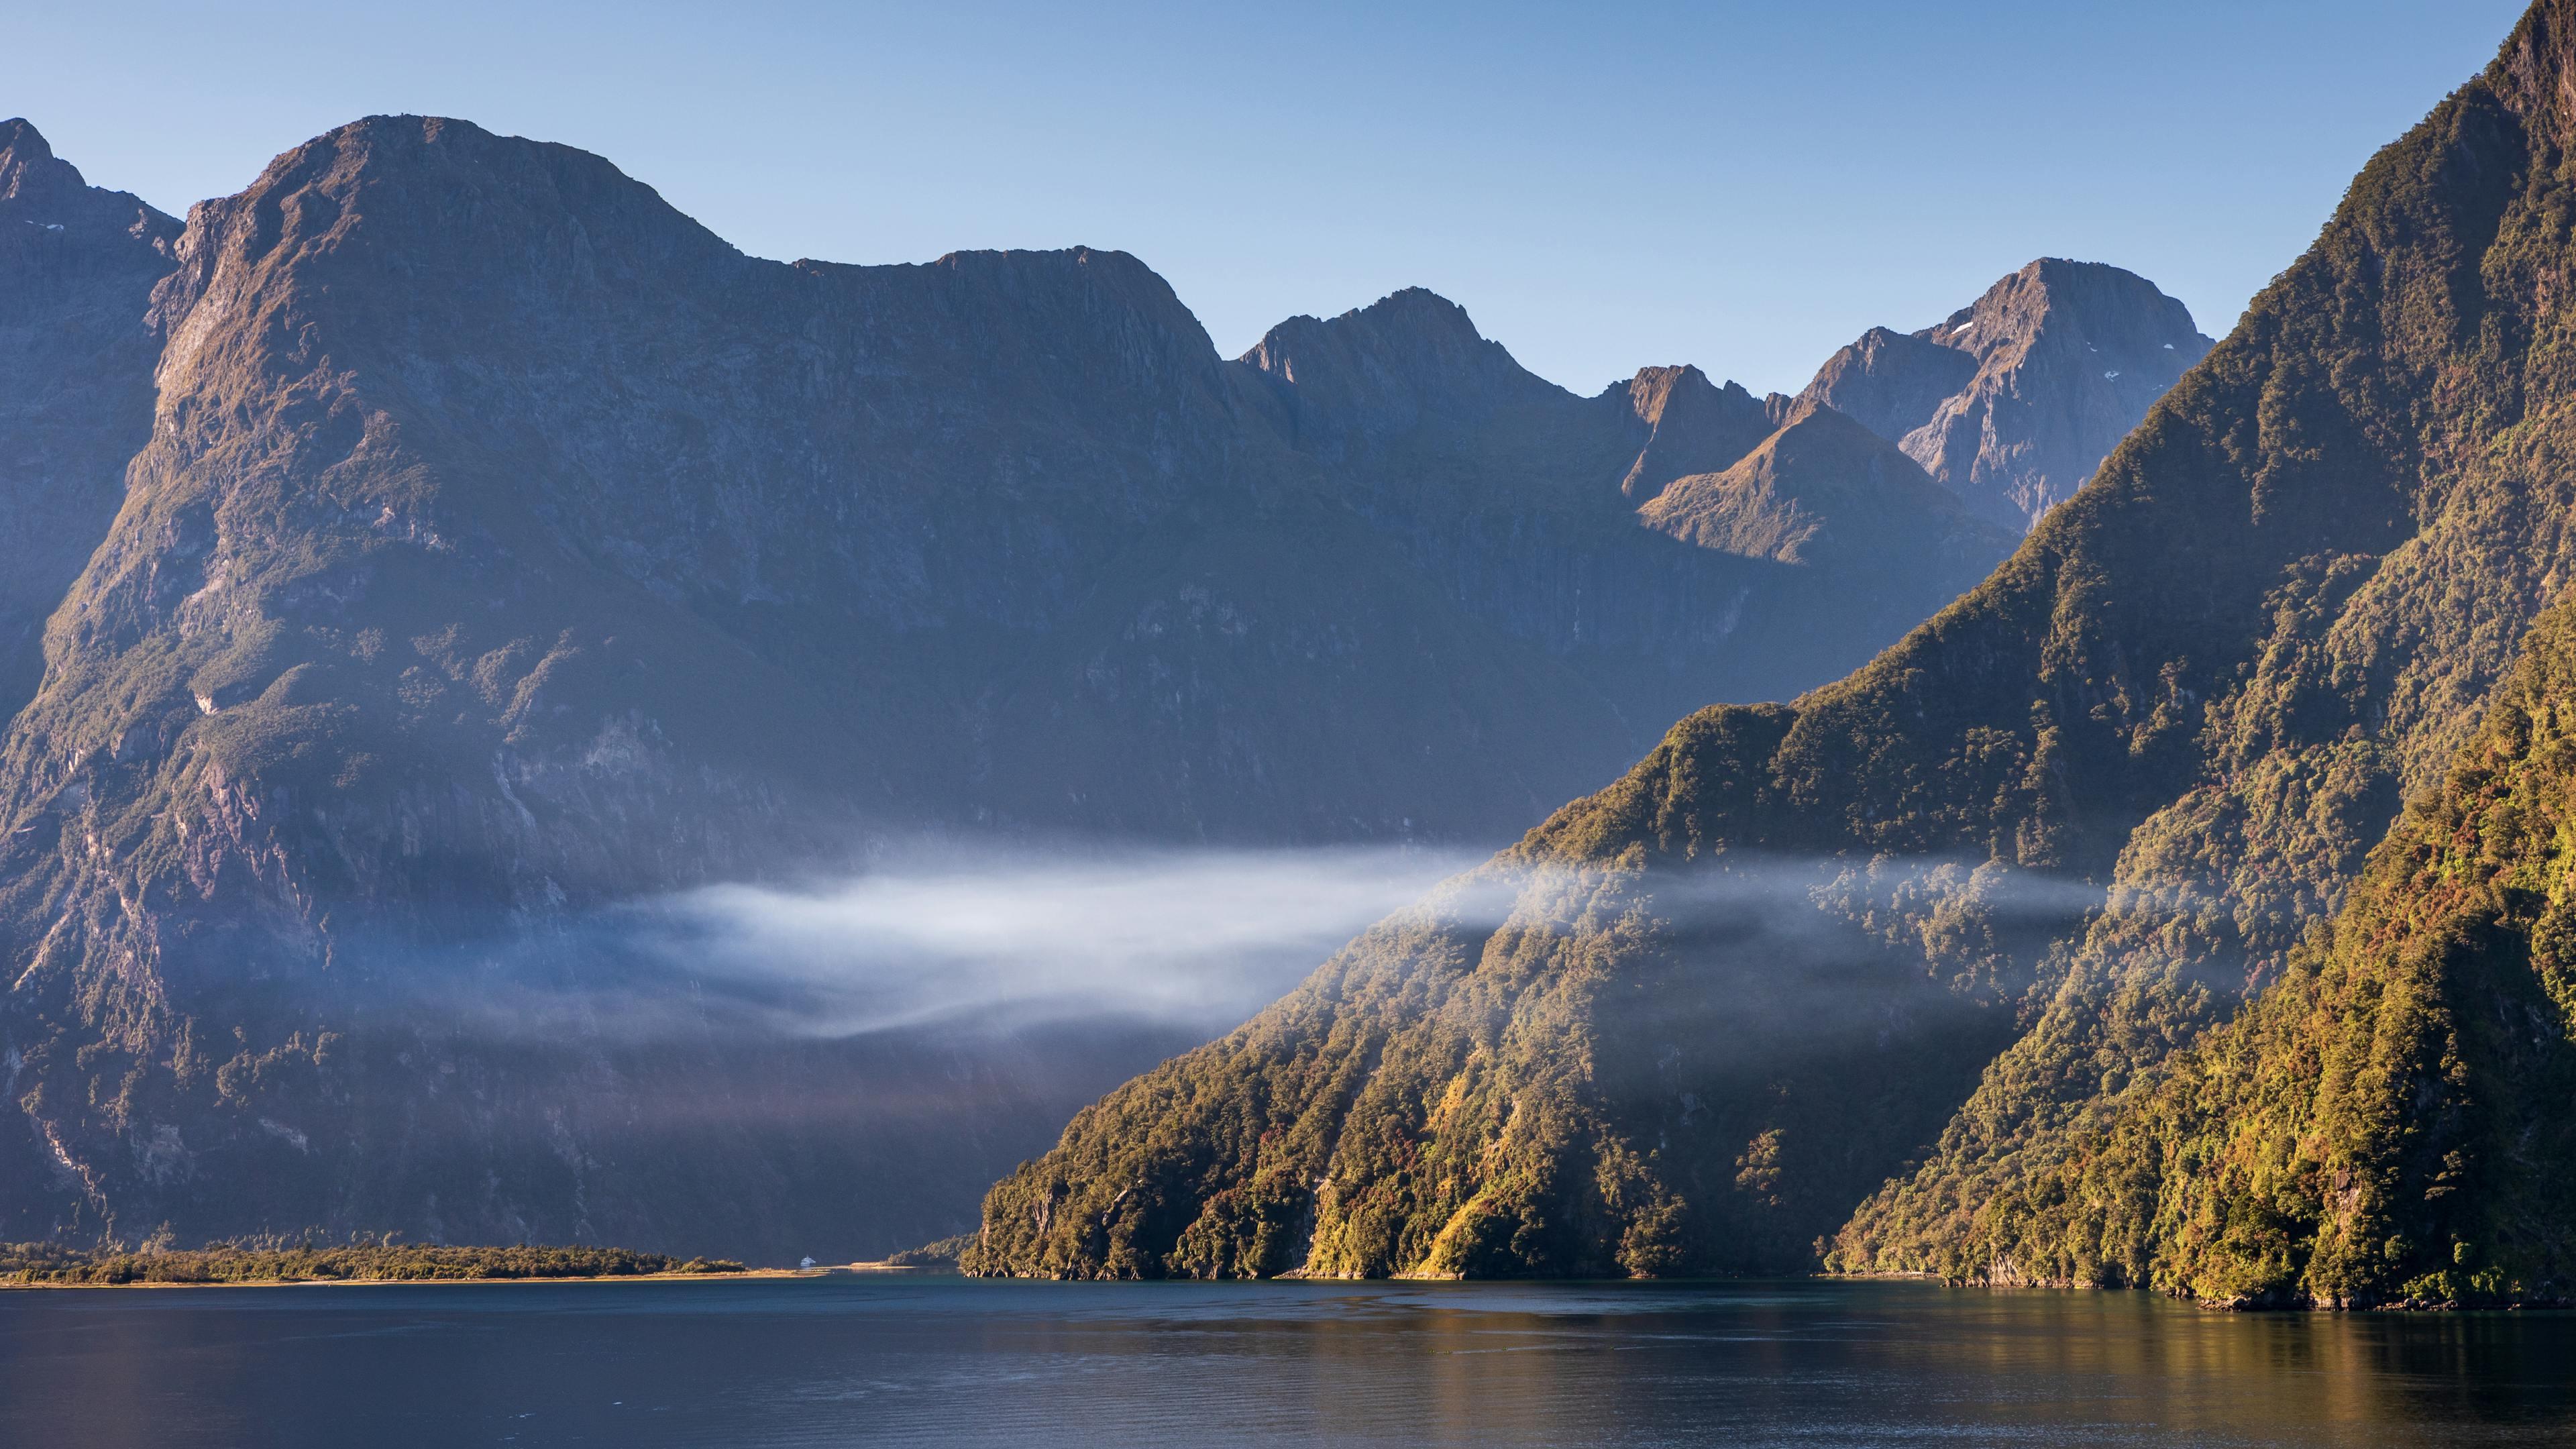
x,y
907,1032
1200,937
996,941
930,937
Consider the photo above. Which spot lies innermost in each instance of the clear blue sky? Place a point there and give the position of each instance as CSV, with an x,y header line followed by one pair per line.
x,y
1745,186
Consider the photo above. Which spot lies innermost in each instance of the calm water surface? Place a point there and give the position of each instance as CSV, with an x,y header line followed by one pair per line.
x,y
853,1360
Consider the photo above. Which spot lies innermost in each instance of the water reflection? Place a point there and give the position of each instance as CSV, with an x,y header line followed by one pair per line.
x,y
848,1360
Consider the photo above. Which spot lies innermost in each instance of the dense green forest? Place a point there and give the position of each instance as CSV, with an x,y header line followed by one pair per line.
x,y
942,1254
1996,879
2389,1121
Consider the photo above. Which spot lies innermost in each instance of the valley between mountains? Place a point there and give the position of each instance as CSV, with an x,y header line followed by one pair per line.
x,y
2107,836
443,546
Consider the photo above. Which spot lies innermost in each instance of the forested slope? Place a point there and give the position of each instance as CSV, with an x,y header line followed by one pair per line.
x,y
2389,1122
2448,254
2083,807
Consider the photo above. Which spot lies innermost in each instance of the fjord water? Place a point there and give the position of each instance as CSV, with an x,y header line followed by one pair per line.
x,y
846,1359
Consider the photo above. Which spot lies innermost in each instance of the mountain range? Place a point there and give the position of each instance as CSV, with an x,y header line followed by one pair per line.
x,y
443,541
2050,946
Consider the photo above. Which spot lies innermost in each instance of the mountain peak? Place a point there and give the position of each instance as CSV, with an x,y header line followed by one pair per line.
x,y
404,197
390,142
1824,487
407,127
1956,395
20,143
2100,297
1651,391
44,190
2535,72
1892,382
29,169
1695,426
1423,310
1410,355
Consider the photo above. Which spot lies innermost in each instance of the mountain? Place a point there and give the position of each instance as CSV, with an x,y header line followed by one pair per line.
x,y
1696,428
447,546
2014,400
1998,877
1524,503
1823,490
2439,377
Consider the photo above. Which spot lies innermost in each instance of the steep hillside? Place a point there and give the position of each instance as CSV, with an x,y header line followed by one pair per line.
x,y
2014,400
2088,803
2451,364
2388,1122
505,544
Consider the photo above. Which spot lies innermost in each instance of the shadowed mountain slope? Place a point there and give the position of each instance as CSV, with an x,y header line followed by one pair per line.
x,y
76,358
2078,812
1522,502
1824,490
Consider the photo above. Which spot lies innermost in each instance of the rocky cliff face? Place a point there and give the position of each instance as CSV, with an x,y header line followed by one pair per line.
x,y
2013,401
76,352
1694,428
445,540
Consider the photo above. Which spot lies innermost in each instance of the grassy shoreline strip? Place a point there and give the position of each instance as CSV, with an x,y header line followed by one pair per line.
x,y
56,1265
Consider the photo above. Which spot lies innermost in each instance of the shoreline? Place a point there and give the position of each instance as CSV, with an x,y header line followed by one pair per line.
x,y
12,1285
881,1268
